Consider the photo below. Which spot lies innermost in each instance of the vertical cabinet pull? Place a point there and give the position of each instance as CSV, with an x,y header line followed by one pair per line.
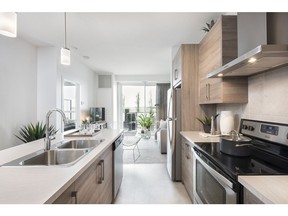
x,y
74,195
99,174
102,170
206,89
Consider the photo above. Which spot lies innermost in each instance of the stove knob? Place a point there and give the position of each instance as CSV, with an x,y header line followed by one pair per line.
x,y
244,127
251,128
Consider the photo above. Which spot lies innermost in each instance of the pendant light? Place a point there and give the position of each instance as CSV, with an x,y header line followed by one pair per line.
x,y
65,52
8,24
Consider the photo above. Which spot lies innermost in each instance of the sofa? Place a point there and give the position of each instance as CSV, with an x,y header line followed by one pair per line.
x,y
161,136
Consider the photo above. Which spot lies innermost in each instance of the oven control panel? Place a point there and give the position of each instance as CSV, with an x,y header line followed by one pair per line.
x,y
271,131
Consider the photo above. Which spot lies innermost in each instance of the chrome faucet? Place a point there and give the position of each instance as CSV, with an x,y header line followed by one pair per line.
x,y
48,137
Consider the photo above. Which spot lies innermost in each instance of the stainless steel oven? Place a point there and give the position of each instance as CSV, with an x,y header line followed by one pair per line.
x,y
210,186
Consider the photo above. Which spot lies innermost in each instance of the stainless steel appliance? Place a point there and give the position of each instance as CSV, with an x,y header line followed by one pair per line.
x,y
173,133
118,164
216,173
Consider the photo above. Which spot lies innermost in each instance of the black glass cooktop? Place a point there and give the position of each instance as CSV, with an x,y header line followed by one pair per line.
x,y
259,163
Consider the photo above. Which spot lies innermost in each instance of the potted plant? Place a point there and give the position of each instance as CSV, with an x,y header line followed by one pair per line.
x,y
146,121
206,123
32,132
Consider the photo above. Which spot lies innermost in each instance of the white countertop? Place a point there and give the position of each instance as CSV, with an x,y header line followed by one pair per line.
x,y
198,136
37,185
269,189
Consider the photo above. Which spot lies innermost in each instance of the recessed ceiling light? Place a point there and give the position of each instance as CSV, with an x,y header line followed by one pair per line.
x,y
86,57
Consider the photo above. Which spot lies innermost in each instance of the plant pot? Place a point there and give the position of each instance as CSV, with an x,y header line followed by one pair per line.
x,y
207,128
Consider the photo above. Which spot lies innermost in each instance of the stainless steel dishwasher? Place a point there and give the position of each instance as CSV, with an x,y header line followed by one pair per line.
x,y
118,164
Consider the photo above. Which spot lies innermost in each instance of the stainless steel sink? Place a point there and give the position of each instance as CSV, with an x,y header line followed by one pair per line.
x,y
80,144
50,158
55,157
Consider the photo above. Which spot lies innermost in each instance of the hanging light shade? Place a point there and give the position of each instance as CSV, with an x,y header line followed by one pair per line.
x,y
8,24
65,52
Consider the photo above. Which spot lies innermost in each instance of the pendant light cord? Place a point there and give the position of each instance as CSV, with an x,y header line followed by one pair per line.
x,y
65,30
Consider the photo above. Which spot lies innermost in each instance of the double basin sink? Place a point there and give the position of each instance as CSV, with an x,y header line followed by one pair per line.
x,y
63,153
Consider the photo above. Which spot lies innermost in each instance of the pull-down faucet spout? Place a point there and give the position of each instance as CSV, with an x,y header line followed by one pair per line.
x,y
48,138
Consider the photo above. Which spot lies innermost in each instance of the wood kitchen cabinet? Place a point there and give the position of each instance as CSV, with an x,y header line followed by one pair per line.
x,y
186,64
68,196
218,47
187,167
177,68
94,185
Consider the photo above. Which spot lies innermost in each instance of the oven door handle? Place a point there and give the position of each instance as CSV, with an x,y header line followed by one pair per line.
x,y
221,179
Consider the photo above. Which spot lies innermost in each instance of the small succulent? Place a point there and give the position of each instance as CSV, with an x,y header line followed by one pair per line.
x,y
205,120
32,132
209,26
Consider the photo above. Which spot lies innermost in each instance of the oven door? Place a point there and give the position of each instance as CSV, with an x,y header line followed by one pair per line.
x,y
209,186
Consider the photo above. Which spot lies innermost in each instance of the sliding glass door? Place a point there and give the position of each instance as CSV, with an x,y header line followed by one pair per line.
x,y
136,99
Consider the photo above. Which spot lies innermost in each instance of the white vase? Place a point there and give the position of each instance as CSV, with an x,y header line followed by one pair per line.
x,y
226,122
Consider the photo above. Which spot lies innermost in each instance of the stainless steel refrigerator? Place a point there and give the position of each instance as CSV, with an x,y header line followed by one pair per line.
x,y
173,133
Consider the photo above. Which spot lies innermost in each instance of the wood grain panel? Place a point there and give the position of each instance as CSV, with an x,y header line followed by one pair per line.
x,y
218,47
250,198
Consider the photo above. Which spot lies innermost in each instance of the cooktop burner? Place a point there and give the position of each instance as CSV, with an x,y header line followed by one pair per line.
x,y
269,151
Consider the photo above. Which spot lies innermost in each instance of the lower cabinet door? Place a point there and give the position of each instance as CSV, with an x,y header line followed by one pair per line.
x,y
68,196
87,185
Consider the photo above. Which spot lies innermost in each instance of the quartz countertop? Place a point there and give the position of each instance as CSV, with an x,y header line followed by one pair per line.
x,y
198,136
269,189
43,184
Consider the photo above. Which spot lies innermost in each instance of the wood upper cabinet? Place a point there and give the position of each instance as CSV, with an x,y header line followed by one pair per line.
x,y
187,167
94,185
218,47
177,68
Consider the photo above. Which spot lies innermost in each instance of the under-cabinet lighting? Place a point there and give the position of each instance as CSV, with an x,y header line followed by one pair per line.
x,y
252,60
8,24
220,75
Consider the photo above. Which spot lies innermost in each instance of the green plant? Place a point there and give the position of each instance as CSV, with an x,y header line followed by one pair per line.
x,y
32,132
146,120
205,120
209,26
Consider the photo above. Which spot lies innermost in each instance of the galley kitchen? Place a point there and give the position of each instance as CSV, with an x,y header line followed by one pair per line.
x,y
196,117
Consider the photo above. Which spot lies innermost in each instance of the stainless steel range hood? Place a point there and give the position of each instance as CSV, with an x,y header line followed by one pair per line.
x,y
258,60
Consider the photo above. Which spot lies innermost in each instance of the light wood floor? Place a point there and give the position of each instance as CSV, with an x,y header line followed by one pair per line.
x,y
150,184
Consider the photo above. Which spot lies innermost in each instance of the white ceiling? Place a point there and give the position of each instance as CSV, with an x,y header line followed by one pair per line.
x,y
118,43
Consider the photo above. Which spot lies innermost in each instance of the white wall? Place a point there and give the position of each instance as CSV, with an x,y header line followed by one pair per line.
x,y
165,78
267,99
18,70
30,85
46,82
77,72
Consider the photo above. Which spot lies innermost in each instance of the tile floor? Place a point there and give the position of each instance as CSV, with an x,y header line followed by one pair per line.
x,y
150,184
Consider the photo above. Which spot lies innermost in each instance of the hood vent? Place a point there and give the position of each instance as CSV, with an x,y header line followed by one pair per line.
x,y
258,60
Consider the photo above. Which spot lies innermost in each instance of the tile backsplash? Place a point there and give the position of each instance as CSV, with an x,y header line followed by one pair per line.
x,y
267,98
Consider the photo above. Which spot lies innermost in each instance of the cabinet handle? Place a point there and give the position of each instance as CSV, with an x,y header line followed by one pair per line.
x,y
74,195
175,74
102,170
206,91
186,144
99,175
187,157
